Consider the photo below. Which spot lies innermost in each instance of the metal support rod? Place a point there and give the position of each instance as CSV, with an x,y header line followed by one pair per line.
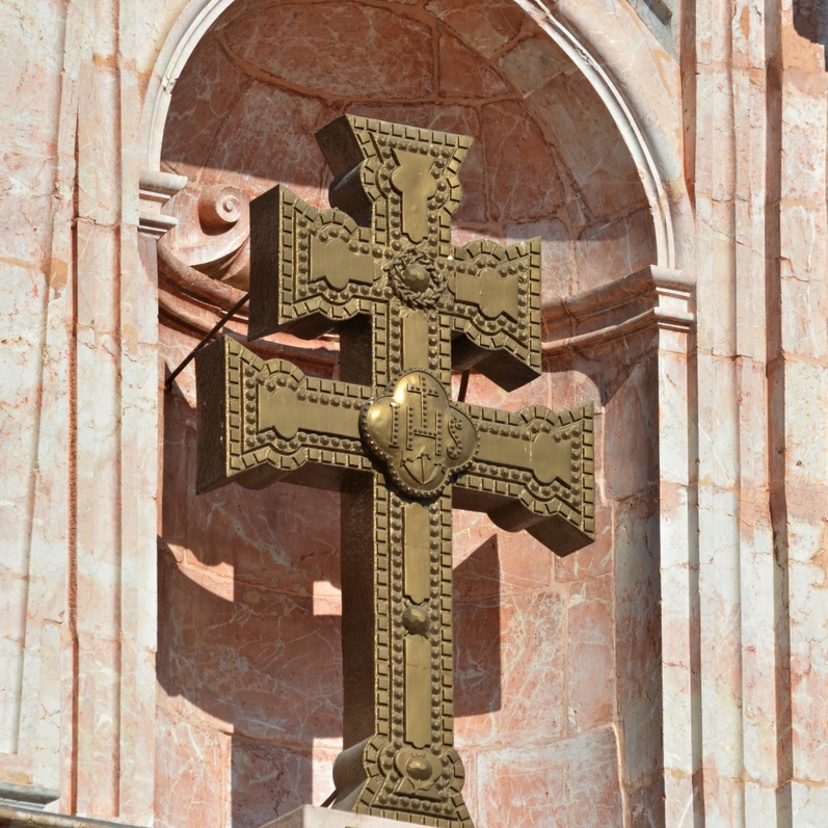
x,y
464,385
207,337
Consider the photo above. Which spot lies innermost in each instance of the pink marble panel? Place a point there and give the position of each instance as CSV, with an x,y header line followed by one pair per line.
x,y
26,205
97,711
533,62
270,780
176,476
485,27
270,536
138,704
31,80
267,139
206,95
470,786
594,779
179,402
631,430
647,806
809,802
477,628
20,364
802,271
249,655
612,249
807,586
522,789
559,275
590,658
571,114
573,782
191,775
575,379
355,50
801,168
464,74
532,658
98,169
522,172
637,625
487,558
596,559
805,454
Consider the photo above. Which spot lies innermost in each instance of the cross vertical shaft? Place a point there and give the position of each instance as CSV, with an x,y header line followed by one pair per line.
x,y
398,727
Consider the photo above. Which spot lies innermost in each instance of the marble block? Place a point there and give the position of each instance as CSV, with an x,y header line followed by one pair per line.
x,y
309,816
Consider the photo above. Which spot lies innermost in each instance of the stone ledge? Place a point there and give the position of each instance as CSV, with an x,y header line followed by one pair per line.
x,y
309,816
11,817
26,796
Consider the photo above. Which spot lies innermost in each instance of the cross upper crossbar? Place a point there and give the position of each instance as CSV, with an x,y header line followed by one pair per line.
x,y
379,267
312,269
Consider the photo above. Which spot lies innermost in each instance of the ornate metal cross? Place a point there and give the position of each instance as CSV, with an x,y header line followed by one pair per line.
x,y
380,267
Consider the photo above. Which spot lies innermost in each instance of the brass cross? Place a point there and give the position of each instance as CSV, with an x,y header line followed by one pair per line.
x,y
379,267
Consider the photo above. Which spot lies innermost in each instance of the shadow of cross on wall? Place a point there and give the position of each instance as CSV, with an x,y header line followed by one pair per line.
x,y
381,269
251,637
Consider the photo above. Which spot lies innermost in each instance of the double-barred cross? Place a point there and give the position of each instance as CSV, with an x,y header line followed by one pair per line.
x,y
380,268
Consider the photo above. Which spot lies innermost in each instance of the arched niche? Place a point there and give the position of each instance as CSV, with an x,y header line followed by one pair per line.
x,y
248,650
565,157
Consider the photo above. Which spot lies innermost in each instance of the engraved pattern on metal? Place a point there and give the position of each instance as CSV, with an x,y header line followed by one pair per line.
x,y
389,437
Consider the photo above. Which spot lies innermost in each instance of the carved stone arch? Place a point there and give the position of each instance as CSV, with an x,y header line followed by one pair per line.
x,y
635,77
635,98
645,114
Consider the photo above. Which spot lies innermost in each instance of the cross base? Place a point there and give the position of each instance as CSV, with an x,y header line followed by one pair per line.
x,y
309,816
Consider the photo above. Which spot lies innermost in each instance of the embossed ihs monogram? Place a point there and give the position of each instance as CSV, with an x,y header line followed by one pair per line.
x,y
421,437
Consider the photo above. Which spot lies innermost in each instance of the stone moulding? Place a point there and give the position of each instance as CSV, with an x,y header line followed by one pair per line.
x,y
652,297
26,796
155,189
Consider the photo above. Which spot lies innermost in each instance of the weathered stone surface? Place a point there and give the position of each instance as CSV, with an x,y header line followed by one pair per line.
x,y
464,73
356,50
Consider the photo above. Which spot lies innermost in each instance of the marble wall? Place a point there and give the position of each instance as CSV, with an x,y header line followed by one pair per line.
x,y
173,660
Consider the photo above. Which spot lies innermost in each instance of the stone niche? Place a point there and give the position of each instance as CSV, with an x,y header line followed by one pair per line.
x,y
556,658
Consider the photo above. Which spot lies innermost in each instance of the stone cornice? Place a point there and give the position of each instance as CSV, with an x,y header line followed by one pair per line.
x,y
652,297
155,189
19,817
